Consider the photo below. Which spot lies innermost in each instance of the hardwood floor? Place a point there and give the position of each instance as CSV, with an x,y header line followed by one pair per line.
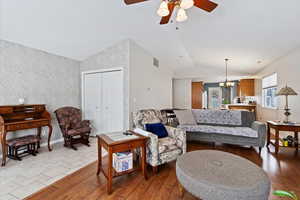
x,y
283,170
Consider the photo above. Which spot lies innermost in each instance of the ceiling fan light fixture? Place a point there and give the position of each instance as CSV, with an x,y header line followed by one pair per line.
x,y
181,15
186,4
163,9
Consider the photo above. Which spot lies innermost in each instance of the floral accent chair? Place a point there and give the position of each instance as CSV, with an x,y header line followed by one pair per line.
x,y
160,150
74,129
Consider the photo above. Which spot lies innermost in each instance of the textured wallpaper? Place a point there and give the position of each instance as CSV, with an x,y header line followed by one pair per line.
x,y
40,78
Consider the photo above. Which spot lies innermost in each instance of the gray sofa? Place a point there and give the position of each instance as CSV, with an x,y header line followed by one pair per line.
x,y
225,126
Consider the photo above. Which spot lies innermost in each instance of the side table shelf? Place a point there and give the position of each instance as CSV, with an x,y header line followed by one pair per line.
x,y
115,146
275,140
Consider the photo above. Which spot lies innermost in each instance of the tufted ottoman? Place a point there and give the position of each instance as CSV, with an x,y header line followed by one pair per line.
x,y
217,175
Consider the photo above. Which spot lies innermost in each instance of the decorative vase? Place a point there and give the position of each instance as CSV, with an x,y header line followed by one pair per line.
x,y
21,101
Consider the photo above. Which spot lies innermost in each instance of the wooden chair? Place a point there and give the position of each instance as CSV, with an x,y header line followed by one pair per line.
x,y
74,129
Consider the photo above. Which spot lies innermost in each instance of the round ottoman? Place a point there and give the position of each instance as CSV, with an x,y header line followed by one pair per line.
x,y
217,175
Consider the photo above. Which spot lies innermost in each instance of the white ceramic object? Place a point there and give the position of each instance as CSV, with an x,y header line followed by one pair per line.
x,y
21,100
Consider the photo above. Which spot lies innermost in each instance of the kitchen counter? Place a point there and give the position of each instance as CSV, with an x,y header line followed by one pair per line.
x,y
241,106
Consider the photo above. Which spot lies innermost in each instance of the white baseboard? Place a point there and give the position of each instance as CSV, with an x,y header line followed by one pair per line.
x,y
52,142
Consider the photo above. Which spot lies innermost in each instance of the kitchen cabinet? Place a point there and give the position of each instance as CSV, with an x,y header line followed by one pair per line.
x,y
197,90
246,87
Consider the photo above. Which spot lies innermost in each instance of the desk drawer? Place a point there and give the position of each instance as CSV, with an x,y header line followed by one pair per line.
x,y
6,110
22,126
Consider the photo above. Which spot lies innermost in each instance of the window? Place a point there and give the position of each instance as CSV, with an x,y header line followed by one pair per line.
x,y
269,85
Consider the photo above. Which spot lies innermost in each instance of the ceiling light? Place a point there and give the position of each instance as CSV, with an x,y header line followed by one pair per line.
x,y
163,9
186,4
181,15
226,83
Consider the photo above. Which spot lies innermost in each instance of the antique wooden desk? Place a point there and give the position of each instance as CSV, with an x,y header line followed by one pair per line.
x,y
279,126
120,146
21,117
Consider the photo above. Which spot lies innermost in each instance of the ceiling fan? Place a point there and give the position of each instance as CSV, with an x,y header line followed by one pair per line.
x,y
167,7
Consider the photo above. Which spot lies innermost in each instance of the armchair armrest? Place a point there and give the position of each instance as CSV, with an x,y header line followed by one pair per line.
x,y
85,123
260,127
152,146
179,135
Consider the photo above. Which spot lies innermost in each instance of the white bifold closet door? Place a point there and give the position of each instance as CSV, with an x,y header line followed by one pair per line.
x,y
103,100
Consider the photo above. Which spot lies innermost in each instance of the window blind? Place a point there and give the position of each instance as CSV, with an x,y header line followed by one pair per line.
x,y
269,81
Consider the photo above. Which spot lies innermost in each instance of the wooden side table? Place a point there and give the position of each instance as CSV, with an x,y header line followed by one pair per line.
x,y
280,126
115,146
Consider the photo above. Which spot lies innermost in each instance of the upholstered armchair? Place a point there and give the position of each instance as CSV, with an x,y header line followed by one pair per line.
x,y
160,150
74,129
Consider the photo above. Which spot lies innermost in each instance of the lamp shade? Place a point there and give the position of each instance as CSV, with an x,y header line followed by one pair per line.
x,y
181,15
186,4
163,9
227,84
286,91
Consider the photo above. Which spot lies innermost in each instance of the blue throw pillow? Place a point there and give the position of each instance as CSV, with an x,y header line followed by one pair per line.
x,y
157,129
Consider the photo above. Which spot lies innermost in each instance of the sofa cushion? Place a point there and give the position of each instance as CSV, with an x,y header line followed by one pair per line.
x,y
218,117
169,156
236,131
248,118
79,131
157,129
185,117
166,144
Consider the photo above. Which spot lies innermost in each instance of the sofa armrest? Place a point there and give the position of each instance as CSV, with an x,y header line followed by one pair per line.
x,y
260,127
179,135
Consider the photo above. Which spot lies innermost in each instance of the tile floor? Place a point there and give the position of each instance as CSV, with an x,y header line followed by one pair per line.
x,y
20,179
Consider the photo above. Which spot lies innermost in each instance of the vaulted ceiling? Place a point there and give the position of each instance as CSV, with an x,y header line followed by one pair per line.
x,y
244,31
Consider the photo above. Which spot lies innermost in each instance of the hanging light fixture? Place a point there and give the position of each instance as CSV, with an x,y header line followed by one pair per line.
x,y
226,83
163,9
181,15
186,4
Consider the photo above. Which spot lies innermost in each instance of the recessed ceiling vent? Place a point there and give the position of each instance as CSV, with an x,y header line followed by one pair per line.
x,y
156,62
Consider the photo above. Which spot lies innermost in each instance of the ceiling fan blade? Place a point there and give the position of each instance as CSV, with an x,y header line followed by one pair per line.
x,y
166,19
128,2
205,5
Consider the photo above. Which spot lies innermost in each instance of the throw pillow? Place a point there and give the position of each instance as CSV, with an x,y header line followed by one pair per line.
x,y
157,129
185,117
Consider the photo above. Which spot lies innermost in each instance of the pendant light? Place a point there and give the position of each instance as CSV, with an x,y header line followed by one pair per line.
x,y
226,83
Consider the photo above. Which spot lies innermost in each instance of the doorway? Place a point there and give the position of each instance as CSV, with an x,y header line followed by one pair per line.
x,y
214,97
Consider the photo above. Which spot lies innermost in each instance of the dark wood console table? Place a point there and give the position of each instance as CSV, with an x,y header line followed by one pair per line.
x,y
115,146
280,126
21,117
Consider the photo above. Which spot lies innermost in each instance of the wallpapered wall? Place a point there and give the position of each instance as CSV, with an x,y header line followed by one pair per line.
x,y
40,78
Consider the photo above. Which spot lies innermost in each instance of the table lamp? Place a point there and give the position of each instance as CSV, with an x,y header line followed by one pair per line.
x,y
286,91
